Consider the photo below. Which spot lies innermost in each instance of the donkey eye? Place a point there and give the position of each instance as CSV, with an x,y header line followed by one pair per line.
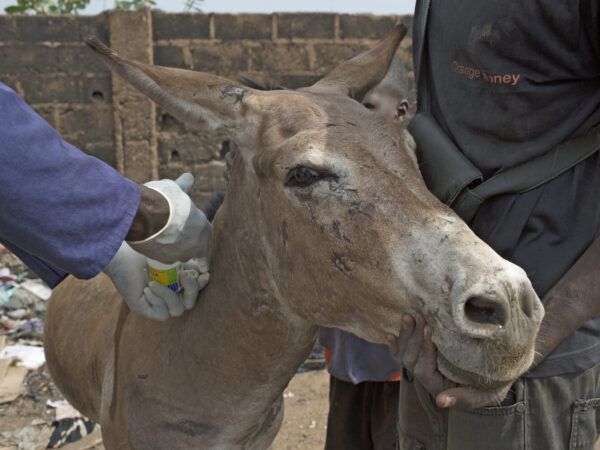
x,y
302,177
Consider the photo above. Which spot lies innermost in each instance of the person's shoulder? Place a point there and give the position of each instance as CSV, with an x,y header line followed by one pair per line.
x,y
4,89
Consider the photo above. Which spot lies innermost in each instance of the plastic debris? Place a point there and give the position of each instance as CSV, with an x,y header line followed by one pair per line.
x,y
6,290
70,430
6,275
28,356
32,325
37,287
15,265
64,410
30,294
18,314
56,403
11,377
8,324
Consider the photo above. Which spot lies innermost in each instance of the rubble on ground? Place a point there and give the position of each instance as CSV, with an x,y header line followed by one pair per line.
x,y
33,413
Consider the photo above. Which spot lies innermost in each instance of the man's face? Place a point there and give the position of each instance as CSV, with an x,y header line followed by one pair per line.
x,y
387,100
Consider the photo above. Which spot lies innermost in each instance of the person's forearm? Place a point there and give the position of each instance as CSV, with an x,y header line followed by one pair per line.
x,y
152,215
571,302
168,226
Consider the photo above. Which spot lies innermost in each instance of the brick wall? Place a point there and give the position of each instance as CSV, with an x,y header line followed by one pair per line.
x,y
46,62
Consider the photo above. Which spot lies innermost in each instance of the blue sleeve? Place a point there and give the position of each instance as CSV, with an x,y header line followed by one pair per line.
x,y
61,211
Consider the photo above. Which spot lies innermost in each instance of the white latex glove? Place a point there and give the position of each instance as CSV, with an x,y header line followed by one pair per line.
x,y
186,234
193,276
127,270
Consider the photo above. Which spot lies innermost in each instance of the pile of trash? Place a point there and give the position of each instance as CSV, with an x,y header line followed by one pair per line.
x,y
23,298
33,414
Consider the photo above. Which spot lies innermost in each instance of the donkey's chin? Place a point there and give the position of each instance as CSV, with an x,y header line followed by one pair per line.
x,y
461,376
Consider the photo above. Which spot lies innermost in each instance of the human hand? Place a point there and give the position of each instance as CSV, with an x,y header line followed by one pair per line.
x,y
418,355
193,278
127,270
186,234
571,302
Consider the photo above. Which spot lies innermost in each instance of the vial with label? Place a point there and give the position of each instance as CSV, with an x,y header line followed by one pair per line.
x,y
165,274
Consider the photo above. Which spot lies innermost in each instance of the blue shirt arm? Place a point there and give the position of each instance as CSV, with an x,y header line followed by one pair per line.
x,y
61,211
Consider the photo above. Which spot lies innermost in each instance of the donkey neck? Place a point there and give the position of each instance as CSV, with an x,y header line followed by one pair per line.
x,y
247,344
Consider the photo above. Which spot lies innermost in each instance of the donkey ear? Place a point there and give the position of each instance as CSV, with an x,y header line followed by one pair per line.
x,y
356,76
188,95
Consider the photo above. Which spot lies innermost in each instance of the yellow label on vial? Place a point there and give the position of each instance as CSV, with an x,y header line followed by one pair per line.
x,y
167,277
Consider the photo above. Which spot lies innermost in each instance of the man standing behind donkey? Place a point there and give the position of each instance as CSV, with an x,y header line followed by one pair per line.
x,y
512,90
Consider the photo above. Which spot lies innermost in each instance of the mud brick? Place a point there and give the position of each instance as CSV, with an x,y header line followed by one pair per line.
x,y
135,115
39,58
50,28
365,26
101,150
93,25
222,59
83,59
94,123
187,149
47,88
208,178
18,58
8,27
305,26
278,56
243,26
170,56
139,161
180,26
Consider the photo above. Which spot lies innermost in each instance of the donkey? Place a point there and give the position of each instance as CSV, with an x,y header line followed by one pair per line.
x,y
326,221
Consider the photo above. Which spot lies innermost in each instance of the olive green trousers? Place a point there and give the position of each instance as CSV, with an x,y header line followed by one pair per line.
x,y
561,412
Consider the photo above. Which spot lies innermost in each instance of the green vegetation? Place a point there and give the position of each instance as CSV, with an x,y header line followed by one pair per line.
x,y
47,7
133,4
192,5
74,6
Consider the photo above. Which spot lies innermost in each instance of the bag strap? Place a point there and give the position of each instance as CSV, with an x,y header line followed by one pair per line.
x,y
419,54
530,174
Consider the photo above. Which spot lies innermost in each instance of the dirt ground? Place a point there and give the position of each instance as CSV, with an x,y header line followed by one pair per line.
x,y
305,420
26,423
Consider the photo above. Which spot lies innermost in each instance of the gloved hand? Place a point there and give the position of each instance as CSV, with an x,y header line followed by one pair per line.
x,y
186,234
194,277
127,270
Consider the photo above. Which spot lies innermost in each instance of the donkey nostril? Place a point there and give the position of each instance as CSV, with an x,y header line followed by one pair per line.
x,y
485,311
528,305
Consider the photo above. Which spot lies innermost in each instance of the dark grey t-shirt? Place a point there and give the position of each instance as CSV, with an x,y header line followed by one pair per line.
x,y
508,81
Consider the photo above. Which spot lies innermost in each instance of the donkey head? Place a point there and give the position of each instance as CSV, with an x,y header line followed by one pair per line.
x,y
336,216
